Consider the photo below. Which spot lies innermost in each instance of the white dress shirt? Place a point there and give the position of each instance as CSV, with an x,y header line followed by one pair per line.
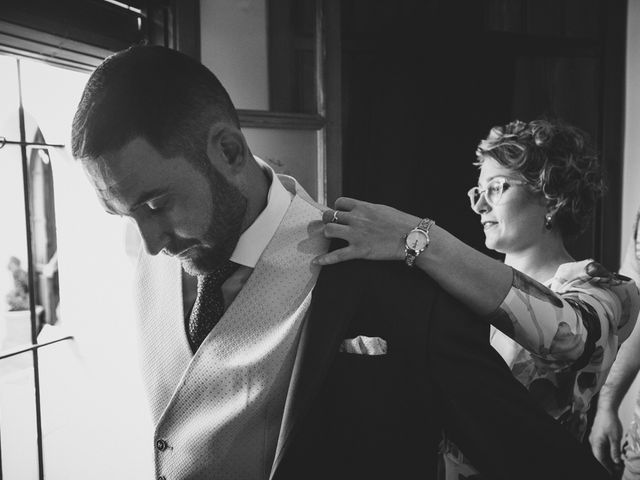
x,y
255,239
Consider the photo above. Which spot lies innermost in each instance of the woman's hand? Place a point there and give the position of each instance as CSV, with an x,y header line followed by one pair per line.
x,y
374,232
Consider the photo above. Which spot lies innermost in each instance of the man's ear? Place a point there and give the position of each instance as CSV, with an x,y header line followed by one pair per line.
x,y
226,144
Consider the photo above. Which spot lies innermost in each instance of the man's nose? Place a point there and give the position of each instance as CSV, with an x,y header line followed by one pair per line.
x,y
154,235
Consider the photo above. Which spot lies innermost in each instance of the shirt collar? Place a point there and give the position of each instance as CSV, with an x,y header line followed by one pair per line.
x,y
255,239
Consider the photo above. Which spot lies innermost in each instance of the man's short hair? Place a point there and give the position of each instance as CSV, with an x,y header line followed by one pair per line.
x,y
155,93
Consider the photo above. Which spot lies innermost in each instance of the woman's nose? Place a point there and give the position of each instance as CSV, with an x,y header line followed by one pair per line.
x,y
482,206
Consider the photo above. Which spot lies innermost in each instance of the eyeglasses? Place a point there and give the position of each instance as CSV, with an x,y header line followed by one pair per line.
x,y
493,192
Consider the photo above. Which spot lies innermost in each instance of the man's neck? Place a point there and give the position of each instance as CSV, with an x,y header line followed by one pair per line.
x,y
257,193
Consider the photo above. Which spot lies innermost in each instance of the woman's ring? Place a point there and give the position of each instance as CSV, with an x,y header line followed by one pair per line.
x,y
334,219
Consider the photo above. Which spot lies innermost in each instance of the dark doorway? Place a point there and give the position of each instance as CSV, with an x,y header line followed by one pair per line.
x,y
424,80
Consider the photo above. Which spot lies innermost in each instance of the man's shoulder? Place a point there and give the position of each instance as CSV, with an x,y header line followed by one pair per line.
x,y
380,281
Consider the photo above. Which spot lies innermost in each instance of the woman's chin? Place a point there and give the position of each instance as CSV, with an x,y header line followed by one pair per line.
x,y
491,243
495,246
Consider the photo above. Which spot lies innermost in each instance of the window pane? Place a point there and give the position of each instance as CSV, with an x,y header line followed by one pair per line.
x,y
69,413
88,393
86,405
15,322
9,126
51,95
18,432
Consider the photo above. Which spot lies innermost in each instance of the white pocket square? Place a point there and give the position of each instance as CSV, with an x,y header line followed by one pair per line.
x,y
362,345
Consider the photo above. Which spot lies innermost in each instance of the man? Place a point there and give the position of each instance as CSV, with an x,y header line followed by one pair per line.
x,y
18,297
606,433
349,373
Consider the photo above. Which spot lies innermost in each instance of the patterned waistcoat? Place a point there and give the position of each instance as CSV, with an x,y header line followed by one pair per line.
x,y
218,413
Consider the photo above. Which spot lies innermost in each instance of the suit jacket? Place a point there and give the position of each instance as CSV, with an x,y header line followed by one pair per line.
x,y
372,417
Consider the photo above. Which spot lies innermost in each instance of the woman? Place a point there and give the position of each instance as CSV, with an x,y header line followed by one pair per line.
x,y
606,433
558,322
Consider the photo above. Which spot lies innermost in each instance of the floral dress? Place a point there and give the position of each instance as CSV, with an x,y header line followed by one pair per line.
x,y
559,339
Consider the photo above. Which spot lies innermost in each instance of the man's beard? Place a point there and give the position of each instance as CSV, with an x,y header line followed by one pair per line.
x,y
221,238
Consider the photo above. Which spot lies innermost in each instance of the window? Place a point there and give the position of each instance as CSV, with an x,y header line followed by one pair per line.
x,y
28,257
69,380
64,392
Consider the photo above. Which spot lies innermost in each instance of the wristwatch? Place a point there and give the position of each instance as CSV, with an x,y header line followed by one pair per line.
x,y
417,241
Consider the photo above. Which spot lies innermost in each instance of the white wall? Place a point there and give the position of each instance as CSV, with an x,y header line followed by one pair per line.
x,y
234,46
290,152
631,166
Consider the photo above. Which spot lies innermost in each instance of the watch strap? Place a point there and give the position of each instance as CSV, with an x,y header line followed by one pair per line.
x,y
410,255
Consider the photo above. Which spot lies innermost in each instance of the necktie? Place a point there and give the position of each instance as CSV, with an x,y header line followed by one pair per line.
x,y
209,305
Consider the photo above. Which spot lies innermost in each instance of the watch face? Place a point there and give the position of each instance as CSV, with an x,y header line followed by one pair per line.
x,y
417,240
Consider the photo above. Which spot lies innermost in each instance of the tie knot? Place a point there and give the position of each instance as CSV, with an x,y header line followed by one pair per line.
x,y
216,278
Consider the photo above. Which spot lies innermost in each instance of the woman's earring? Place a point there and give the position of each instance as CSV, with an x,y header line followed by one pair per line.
x,y
547,221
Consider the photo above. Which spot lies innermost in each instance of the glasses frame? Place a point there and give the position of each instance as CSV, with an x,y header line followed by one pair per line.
x,y
505,181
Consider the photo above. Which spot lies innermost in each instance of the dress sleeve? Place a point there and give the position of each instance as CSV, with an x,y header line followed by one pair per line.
x,y
574,322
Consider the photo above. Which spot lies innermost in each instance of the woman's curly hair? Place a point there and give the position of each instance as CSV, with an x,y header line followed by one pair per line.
x,y
556,160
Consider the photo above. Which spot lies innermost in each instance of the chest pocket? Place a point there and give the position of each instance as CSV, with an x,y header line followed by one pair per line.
x,y
364,387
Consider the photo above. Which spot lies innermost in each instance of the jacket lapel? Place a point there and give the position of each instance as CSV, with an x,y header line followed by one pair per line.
x,y
333,305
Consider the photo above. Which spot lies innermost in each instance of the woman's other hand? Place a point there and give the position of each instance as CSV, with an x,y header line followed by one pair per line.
x,y
605,438
373,232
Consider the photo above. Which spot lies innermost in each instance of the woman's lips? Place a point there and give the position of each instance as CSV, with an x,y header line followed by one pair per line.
x,y
487,225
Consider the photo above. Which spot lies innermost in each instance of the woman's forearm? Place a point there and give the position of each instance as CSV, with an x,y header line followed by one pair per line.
x,y
516,304
475,279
